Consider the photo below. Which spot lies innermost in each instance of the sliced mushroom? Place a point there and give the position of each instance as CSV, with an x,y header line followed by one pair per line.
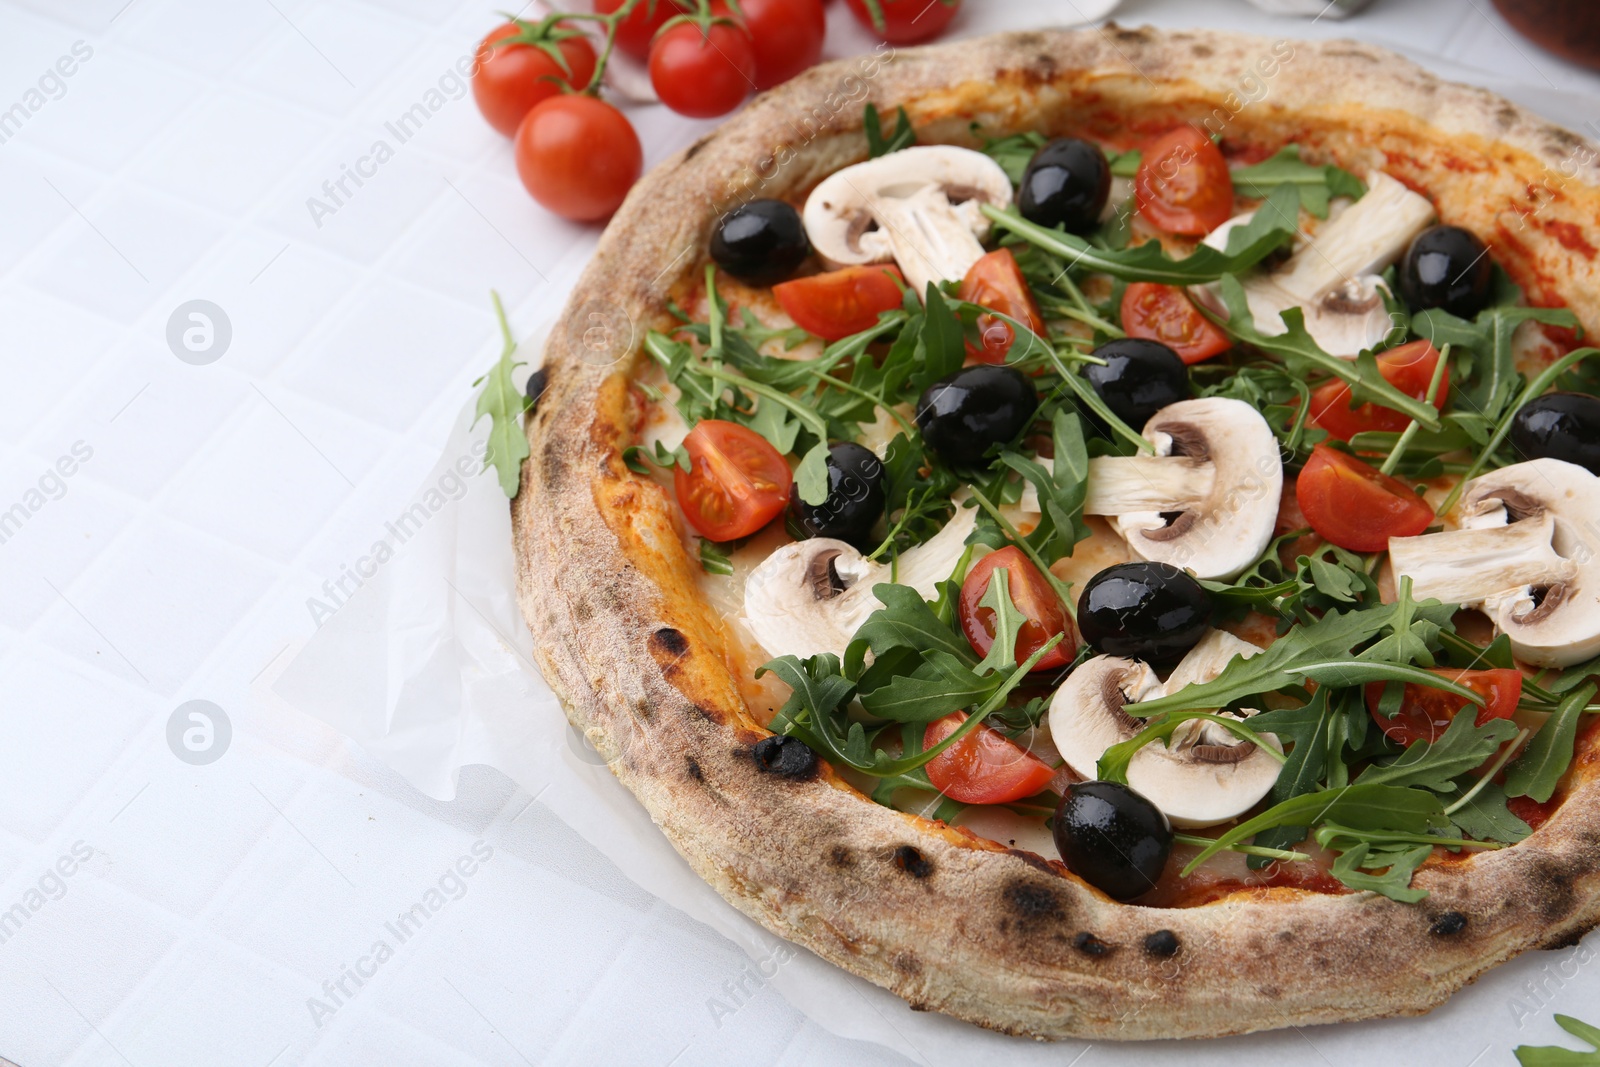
x,y
917,207
1207,501
1335,276
1525,554
1205,775
810,597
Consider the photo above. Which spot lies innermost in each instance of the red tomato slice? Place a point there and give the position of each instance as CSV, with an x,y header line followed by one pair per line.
x,y
985,767
1409,368
738,484
1425,714
1183,185
995,281
1033,596
841,302
1162,313
1355,505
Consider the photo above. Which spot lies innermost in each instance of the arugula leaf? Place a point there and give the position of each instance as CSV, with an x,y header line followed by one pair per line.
x,y
938,685
1125,164
1062,488
1315,186
1394,883
1486,816
1555,1055
714,558
944,349
1574,676
1538,770
504,404
1307,728
879,145
818,687
1114,762
1013,153
1146,262
906,621
1463,746
811,476
1007,623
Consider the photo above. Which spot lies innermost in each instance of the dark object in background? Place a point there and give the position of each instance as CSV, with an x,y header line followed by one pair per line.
x,y
1569,28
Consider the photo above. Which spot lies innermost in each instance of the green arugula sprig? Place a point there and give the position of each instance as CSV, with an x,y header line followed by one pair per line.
x,y
504,404
878,144
1555,1055
1314,185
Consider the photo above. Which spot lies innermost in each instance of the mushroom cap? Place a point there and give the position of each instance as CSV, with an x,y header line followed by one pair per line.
x,y
1220,537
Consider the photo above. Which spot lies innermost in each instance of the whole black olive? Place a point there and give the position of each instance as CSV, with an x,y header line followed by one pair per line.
x,y
1560,426
761,242
1112,837
1139,378
963,414
1147,611
1447,267
855,498
1066,184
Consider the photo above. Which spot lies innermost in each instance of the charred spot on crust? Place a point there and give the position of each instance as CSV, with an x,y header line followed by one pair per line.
x,y
1090,945
906,963
694,770
705,713
786,757
1204,51
1448,924
668,642
1030,901
1570,938
694,149
1163,944
912,861
841,857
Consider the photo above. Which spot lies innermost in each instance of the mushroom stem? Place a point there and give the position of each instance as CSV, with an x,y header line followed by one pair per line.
x,y
1470,566
1124,485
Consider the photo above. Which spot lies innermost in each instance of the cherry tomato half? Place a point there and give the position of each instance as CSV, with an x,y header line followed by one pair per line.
x,y
1409,368
578,156
738,482
908,21
1032,595
1425,714
995,281
1163,313
787,35
511,78
703,73
840,302
1183,185
985,767
637,30
1356,506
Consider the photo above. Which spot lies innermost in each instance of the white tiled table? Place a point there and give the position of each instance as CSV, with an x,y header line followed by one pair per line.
x,y
174,563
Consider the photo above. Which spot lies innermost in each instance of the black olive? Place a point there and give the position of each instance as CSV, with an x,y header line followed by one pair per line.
x,y
1066,184
855,498
1147,611
1447,267
787,757
1112,838
761,242
1560,426
538,381
962,415
1139,378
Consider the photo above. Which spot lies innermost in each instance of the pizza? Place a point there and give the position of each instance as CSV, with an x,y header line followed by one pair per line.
x,y
1094,532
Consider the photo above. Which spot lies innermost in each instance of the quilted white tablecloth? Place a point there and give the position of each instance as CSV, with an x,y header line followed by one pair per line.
x,y
189,875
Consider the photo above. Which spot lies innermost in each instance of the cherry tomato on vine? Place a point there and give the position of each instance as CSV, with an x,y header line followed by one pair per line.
x,y
906,21
787,35
996,282
703,72
511,78
1409,368
578,156
985,767
841,302
1163,313
1425,714
1356,506
635,32
1033,596
1183,185
737,482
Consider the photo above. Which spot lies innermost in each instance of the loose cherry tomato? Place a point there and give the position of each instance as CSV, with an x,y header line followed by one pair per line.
x,y
1356,506
1183,185
703,72
1425,714
510,79
907,21
1162,313
1032,595
840,302
578,156
787,35
637,30
995,281
1409,368
985,767
737,482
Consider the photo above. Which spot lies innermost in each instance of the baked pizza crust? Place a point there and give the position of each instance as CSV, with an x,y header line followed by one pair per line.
x,y
949,921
